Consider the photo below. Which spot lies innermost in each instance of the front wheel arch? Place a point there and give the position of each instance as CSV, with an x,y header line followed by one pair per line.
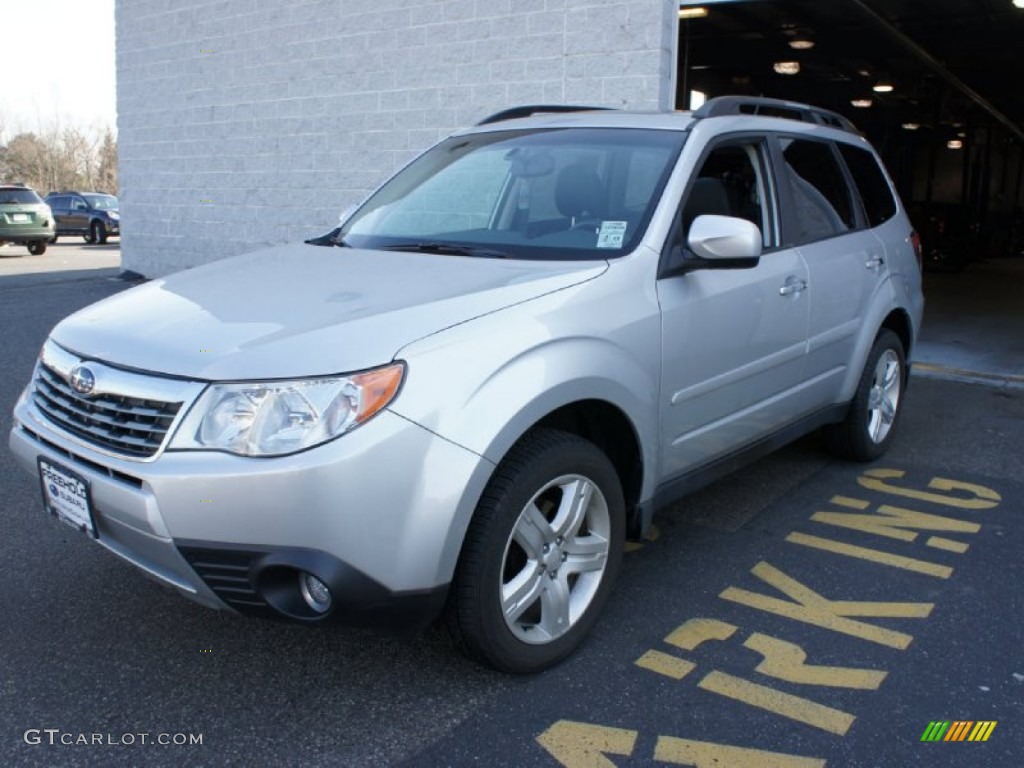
x,y
508,582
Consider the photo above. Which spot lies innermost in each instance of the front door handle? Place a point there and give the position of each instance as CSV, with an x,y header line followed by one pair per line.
x,y
874,263
793,286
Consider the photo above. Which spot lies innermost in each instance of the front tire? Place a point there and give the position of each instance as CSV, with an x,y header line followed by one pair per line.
x,y
540,556
870,424
37,248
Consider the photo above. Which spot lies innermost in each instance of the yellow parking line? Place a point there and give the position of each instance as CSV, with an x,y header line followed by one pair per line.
x,y
666,664
872,555
779,703
938,542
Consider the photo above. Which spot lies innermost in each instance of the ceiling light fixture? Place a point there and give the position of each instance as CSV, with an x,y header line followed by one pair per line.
x,y
955,144
911,126
801,45
861,103
787,67
693,13
883,87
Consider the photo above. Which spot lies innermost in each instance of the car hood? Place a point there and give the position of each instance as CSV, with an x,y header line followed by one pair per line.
x,y
301,310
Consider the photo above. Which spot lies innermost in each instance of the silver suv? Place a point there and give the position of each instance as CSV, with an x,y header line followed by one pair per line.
x,y
463,400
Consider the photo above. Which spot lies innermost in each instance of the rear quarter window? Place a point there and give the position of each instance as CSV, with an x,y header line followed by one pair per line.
x,y
874,190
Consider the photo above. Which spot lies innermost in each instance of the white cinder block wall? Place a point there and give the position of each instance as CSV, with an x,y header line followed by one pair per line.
x,y
244,123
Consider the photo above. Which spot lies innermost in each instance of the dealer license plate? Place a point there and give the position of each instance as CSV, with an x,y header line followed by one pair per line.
x,y
66,495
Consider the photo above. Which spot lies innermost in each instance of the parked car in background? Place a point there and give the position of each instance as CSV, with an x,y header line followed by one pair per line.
x,y
24,218
93,215
951,238
462,400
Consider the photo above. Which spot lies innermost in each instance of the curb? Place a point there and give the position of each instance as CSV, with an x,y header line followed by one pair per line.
x,y
931,370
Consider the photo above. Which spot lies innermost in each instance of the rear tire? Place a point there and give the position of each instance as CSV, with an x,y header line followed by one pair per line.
x,y
540,556
870,424
37,248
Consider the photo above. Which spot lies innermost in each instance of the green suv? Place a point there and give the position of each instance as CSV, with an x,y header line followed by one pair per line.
x,y
24,218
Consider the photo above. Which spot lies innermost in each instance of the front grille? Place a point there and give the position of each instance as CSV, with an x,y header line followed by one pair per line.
x,y
119,423
226,572
94,466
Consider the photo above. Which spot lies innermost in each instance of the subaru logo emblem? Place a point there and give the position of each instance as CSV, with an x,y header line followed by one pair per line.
x,y
82,380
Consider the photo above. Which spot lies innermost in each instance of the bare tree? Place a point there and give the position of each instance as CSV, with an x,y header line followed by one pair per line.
x,y
25,161
61,158
107,166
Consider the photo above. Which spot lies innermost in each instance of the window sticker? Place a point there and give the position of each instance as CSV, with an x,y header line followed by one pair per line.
x,y
611,234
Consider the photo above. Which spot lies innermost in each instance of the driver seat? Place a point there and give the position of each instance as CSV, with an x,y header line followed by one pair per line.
x,y
579,193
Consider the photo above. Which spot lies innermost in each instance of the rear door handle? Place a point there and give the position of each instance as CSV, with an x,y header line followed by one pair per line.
x,y
874,263
792,286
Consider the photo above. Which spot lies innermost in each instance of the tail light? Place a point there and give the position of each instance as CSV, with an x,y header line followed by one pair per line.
x,y
915,241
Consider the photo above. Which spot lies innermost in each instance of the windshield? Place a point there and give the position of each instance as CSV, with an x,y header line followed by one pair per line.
x,y
569,193
19,195
102,202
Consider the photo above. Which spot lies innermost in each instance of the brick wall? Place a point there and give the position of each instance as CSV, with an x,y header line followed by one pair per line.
x,y
243,123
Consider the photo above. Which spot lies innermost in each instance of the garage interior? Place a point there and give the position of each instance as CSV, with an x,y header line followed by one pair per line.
x,y
935,86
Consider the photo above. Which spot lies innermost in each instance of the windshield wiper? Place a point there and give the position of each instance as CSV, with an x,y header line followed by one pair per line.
x,y
330,238
448,249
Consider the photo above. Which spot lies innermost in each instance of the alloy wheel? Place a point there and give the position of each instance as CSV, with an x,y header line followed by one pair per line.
x,y
884,396
555,559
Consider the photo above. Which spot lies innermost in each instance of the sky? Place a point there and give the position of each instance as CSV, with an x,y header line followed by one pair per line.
x,y
59,65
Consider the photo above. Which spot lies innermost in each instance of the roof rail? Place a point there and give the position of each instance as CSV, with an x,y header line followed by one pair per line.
x,y
535,109
759,105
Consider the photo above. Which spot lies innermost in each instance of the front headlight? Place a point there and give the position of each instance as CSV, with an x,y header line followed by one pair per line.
x,y
114,215
275,418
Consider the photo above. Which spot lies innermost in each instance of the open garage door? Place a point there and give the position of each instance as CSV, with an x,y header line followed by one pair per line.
x,y
936,88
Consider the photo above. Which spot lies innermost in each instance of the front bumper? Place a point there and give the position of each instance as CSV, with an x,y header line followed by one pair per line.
x,y
377,514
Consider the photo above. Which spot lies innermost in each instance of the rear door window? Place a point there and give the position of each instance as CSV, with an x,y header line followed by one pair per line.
x,y
822,205
875,192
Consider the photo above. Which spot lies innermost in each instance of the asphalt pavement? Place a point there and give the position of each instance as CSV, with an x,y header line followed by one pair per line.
x,y
67,256
823,612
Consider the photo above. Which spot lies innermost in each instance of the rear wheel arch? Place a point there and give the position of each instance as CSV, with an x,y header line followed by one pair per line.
x,y
872,418
898,321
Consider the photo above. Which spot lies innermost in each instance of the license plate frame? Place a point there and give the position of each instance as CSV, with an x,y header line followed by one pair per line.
x,y
67,496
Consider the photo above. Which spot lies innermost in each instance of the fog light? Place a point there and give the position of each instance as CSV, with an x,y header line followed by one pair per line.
x,y
314,592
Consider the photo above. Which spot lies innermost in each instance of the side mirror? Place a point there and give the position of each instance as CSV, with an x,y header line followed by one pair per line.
x,y
725,242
